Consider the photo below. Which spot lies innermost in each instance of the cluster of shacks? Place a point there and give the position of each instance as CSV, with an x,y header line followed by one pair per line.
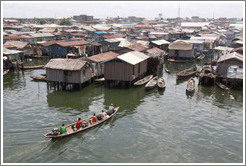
x,y
123,50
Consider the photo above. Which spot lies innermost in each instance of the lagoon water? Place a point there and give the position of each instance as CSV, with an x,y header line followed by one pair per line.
x,y
150,126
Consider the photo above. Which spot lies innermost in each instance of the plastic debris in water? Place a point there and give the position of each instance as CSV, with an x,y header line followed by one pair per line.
x,y
231,97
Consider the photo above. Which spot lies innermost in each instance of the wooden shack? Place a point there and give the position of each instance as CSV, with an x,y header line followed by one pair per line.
x,y
125,68
68,72
181,50
230,65
21,46
97,62
230,70
161,44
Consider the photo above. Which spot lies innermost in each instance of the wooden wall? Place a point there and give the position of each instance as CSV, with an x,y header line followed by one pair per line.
x,y
71,77
223,66
122,71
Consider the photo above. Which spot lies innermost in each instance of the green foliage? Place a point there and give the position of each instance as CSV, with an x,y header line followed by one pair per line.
x,y
42,22
65,21
21,21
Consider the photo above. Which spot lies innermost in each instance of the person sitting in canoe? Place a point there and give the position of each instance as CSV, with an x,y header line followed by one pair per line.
x,y
62,129
105,115
110,110
79,123
102,115
93,119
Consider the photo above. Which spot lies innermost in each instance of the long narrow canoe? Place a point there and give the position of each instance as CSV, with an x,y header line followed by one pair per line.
x,y
100,79
143,81
161,83
35,78
5,72
179,60
222,86
190,85
166,69
187,73
152,83
33,67
70,131
201,57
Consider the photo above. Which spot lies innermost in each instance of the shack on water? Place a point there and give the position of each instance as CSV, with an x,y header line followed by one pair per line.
x,y
181,50
230,70
68,73
125,69
97,62
62,48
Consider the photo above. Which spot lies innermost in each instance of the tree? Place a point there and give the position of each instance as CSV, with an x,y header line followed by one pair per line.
x,y
42,22
65,21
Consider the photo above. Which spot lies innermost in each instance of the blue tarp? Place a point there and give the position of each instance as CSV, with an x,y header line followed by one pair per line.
x,y
100,32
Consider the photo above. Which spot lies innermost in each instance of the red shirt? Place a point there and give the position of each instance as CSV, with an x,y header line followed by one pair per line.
x,y
78,124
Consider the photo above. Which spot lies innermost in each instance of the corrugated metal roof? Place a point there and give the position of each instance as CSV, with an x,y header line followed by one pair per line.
x,y
125,43
114,40
103,57
16,44
221,48
71,43
138,47
160,42
10,52
180,45
205,38
194,24
65,64
155,50
42,35
133,57
231,56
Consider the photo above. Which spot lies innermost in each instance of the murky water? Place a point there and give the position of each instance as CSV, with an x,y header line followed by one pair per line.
x,y
150,126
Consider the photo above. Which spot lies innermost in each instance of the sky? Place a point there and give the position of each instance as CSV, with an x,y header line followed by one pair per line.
x,y
147,9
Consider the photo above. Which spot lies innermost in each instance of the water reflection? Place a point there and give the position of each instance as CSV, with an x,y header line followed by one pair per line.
x,y
76,100
14,80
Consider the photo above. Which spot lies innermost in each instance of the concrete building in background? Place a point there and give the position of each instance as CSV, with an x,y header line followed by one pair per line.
x,y
83,18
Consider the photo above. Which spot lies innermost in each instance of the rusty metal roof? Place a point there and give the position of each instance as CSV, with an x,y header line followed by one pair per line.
x,y
15,44
138,47
180,45
68,43
103,57
65,64
155,50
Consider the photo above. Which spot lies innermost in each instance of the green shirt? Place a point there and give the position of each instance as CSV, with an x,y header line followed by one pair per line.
x,y
62,129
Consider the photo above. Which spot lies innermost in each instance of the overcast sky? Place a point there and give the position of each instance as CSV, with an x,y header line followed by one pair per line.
x,y
145,9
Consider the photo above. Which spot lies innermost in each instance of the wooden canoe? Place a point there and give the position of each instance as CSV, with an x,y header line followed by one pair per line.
x,y
187,73
100,79
5,72
201,57
179,60
143,81
190,85
70,131
222,86
166,69
152,83
161,83
35,78
33,67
